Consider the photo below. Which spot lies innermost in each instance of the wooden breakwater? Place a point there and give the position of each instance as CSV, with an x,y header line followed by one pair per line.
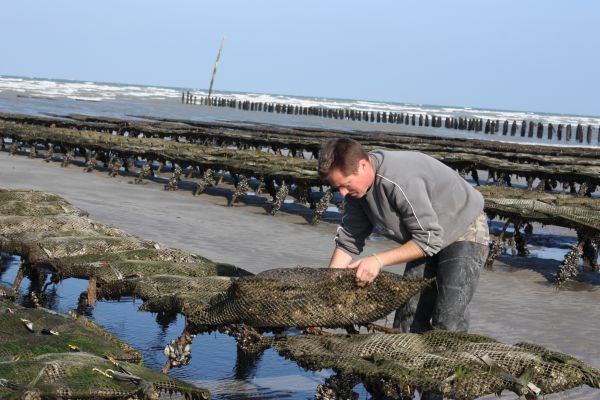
x,y
494,128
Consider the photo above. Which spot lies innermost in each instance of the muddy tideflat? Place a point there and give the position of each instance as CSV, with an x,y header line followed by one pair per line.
x,y
511,304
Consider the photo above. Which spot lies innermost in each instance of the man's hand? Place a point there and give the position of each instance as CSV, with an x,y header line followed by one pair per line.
x,y
367,270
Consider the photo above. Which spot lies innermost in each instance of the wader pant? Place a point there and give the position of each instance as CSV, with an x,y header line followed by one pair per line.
x,y
443,305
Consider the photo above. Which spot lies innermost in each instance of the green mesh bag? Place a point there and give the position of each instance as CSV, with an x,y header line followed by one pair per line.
x,y
29,332
34,203
86,376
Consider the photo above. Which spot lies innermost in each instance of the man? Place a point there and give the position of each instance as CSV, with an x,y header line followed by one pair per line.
x,y
436,217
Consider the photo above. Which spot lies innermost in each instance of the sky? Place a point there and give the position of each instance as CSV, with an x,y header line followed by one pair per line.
x,y
528,55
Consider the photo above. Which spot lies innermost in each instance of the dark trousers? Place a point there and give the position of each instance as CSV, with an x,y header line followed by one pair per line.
x,y
445,304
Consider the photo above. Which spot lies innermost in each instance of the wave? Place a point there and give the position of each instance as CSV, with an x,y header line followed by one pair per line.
x,y
97,92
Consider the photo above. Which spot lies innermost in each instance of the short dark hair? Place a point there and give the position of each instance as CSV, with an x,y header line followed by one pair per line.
x,y
342,154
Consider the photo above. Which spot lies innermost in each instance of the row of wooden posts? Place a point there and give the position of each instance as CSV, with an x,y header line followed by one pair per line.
x,y
530,129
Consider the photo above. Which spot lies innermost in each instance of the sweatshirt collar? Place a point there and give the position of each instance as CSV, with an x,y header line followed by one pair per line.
x,y
375,159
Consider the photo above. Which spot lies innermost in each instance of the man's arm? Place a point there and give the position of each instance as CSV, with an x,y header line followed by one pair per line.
x,y
354,228
368,268
340,259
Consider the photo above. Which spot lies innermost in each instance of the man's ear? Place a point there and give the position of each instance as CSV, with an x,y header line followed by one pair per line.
x,y
362,165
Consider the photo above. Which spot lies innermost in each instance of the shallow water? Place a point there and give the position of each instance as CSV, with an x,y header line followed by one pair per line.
x,y
215,362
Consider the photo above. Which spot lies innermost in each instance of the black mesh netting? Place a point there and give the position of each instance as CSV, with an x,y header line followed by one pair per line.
x,y
456,365
305,297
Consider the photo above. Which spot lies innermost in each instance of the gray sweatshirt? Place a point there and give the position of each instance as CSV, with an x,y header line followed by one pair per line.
x,y
414,196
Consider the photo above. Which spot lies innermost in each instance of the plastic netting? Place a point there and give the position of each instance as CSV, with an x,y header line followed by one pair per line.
x,y
552,208
11,225
41,248
109,271
34,203
306,297
86,376
453,364
44,331
169,293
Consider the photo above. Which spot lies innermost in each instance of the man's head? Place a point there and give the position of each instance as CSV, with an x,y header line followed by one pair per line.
x,y
346,165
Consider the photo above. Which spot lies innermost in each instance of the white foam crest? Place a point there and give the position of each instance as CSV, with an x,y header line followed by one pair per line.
x,y
104,91
71,89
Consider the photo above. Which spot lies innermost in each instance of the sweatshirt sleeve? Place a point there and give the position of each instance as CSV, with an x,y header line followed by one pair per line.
x,y
418,216
354,228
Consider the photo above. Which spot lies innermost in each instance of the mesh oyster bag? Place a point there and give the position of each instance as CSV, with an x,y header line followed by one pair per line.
x,y
86,376
109,271
28,332
306,297
453,364
42,247
14,225
34,203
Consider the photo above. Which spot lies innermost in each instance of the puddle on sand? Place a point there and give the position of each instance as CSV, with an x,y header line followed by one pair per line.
x,y
215,364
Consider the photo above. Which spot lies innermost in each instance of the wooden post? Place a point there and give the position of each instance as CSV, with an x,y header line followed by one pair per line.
x,y
513,128
487,126
19,278
523,128
540,130
589,134
569,133
559,132
550,130
91,292
530,132
505,127
579,134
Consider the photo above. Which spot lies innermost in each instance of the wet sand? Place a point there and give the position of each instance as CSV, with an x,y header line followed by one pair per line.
x,y
511,304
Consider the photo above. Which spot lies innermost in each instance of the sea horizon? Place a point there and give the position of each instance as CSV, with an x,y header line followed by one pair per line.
x,y
204,91
60,97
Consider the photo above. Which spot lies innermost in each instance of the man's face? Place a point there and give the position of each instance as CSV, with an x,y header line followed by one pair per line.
x,y
354,185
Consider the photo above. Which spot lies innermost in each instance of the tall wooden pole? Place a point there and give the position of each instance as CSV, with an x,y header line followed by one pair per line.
x,y
212,78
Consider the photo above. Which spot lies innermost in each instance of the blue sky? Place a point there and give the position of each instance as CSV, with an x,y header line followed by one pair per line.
x,y
516,55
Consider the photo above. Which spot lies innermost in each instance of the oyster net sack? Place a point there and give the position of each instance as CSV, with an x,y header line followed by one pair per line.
x,y
307,297
453,364
33,203
86,376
